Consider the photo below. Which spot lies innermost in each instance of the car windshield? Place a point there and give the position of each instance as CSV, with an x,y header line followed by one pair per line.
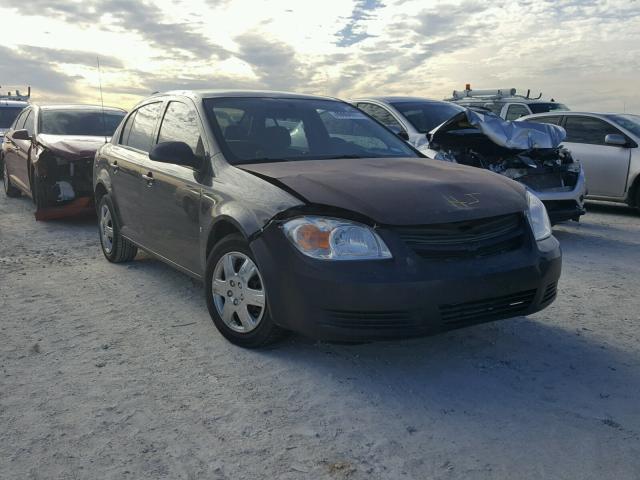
x,y
543,107
628,122
425,116
80,122
8,115
263,129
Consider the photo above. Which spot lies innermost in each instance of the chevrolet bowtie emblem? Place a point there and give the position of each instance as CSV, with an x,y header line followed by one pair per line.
x,y
468,200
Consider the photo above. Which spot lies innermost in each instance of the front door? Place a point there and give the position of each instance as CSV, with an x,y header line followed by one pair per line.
x,y
172,213
605,166
18,157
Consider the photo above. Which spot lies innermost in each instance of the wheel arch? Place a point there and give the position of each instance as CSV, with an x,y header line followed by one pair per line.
x,y
633,198
222,227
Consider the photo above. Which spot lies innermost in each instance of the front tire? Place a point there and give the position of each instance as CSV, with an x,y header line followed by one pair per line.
x,y
237,296
9,189
115,247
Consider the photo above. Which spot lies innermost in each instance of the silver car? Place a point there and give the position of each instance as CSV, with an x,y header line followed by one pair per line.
x,y
409,117
607,146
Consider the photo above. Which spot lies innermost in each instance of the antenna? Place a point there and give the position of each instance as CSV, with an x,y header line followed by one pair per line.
x,y
104,121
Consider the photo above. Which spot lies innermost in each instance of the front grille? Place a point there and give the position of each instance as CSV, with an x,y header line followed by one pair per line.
x,y
473,238
488,309
371,319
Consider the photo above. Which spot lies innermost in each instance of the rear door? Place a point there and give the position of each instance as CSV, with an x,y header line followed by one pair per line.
x,y
172,199
127,164
605,166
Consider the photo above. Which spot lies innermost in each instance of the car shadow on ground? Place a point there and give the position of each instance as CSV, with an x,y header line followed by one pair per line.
x,y
514,367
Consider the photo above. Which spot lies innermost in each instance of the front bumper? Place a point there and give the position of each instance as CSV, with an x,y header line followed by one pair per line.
x,y
566,204
406,296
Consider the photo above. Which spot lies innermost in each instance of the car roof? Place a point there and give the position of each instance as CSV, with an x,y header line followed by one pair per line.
x,y
76,107
241,94
400,99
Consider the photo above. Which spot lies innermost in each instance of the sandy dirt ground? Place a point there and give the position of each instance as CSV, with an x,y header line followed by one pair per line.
x,y
116,372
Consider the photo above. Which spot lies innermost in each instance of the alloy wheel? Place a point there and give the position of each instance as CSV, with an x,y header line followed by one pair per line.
x,y
106,229
238,292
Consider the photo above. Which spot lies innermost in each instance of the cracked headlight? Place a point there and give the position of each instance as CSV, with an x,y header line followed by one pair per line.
x,y
335,239
538,218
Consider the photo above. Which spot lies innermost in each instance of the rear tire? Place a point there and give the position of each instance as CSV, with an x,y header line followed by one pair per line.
x,y
115,247
9,189
240,295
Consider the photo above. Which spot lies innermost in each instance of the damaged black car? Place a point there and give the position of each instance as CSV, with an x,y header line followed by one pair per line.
x,y
530,153
301,213
48,155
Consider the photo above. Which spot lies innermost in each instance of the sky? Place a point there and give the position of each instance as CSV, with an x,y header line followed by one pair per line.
x,y
585,53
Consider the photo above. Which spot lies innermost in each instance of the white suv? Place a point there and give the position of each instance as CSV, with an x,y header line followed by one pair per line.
x,y
505,102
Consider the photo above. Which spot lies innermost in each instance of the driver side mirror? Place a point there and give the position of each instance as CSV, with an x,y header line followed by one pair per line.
x,y
21,135
615,139
176,153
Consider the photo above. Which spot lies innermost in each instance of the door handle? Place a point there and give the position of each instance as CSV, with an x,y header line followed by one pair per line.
x,y
115,167
148,177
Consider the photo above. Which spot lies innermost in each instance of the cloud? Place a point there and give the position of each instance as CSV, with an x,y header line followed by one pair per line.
x,y
355,31
274,63
35,72
72,57
143,18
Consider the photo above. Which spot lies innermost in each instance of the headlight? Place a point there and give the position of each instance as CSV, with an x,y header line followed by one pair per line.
x,y
335,239
538,218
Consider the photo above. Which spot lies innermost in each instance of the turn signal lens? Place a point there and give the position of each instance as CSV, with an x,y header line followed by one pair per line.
x,y
335,239
309,237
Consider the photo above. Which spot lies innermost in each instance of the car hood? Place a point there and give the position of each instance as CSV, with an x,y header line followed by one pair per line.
x,y
72,147
397,191
521,135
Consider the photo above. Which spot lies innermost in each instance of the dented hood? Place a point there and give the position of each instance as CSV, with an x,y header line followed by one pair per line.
x,y
72,147
512,135
397,191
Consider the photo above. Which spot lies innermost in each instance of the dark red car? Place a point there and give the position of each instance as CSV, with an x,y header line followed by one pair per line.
x,y
49,150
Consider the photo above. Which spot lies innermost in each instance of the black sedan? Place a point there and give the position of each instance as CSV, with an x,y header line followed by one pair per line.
x,y
302,213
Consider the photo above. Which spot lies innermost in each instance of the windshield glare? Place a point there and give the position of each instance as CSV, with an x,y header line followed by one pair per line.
x,y
80,122
547,107
8,115
425,116
628,122
253,130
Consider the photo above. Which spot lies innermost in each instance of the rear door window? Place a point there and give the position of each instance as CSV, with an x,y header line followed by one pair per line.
x,y
588,130
382,115
181,124
126,130
140,136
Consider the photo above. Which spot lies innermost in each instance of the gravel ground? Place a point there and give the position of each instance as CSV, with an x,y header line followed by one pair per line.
x,y
116,371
